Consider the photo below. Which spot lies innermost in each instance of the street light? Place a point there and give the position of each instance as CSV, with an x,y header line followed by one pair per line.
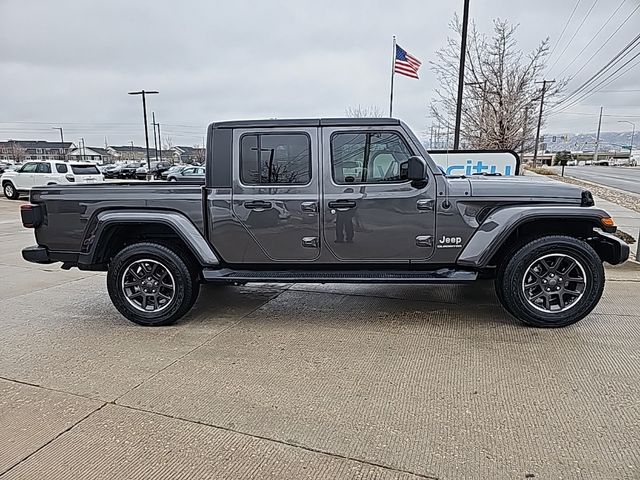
x,y
64,153
633,132
144,93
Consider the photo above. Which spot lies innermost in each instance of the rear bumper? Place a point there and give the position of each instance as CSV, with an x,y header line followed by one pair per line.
x,y
36,254
42,255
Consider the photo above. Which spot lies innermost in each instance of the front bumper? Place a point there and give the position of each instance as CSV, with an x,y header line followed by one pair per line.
x,y
610,248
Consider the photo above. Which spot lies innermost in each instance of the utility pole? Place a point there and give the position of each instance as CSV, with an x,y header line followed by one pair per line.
x,y
84,150
64,152
144,93
155,141
524,132
544,89
463,51
595,150
633,133
159,141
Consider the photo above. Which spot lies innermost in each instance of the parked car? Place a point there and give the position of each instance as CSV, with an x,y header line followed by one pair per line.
x,y
173,169
193,175
156,170
129,170
112,171
276,208
33,174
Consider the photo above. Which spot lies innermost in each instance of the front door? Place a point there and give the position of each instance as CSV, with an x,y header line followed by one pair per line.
x,y
25,177
372,213
276,192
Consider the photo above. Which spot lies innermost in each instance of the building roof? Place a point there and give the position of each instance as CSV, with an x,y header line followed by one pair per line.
x,y
36,144
128,148
189,150
306,122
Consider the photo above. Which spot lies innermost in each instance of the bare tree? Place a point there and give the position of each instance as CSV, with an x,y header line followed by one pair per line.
x,y
198,154
16,152
500,84
363,111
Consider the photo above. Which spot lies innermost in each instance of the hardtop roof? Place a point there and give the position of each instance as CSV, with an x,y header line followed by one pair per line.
x,y
306,122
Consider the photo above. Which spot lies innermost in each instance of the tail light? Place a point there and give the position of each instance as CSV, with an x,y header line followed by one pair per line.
x,y
31,215
70,177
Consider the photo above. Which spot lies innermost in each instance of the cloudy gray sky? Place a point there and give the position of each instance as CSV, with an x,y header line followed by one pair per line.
x,y
71,63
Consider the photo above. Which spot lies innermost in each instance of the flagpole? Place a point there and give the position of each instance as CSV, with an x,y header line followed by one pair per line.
x,y
393,67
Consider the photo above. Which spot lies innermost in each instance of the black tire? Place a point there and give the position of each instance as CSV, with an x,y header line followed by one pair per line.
x,y
129,264
10,191
172,179
530,295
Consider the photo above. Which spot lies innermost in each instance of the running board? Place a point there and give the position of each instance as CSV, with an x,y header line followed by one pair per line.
x,y
443,275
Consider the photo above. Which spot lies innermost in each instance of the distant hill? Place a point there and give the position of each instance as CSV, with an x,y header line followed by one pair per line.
x,y
586,141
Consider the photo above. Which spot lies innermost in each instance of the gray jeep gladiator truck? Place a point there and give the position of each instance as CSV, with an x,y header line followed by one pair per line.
x,y
328,201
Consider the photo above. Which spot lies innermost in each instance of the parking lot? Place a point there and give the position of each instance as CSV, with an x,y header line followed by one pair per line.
x,y
310,381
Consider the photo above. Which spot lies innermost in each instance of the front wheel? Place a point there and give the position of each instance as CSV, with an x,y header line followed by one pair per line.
x,y
10,191
552,281
151,285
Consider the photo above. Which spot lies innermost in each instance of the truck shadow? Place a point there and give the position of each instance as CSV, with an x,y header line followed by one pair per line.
x,y
398,307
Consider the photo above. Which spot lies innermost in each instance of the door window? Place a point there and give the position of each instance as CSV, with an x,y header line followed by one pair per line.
x,y
371,157
275,159
29,167
61,168
43,168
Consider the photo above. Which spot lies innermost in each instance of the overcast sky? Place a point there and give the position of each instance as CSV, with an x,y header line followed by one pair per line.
x,y
70,63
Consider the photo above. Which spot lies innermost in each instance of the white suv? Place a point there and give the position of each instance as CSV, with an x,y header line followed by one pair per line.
x,y
35,174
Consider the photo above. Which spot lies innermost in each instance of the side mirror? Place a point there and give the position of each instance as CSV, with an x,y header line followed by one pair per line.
x,y
417,171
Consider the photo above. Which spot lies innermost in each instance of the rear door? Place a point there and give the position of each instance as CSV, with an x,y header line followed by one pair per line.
x,y
276,191
372,213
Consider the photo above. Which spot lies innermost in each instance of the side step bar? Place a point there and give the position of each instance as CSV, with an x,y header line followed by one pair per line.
x,y
443,275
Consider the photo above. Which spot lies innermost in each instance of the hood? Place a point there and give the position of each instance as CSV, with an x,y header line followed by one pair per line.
x,y
528,187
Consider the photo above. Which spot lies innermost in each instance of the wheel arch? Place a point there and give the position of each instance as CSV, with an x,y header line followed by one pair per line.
x,y
507,227
115,230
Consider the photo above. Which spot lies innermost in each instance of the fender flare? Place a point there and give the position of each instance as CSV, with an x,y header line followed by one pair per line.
x,y
177,222
497,227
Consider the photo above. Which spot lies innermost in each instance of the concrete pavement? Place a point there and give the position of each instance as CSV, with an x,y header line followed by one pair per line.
x,y
310,381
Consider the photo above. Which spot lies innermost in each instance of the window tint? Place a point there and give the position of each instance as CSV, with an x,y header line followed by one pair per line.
x,y
85,169
29,167
373,157
61,168
43,168
273,159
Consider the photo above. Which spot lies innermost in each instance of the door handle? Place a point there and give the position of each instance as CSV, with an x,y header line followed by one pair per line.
x,y
257,205
425,204
342,205
309,207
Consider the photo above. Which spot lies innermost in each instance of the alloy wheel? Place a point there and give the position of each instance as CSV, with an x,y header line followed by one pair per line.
x,y
554,283
148,285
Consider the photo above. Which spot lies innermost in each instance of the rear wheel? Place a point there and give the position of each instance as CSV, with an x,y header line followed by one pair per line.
x,y
151,285
552,281
10,191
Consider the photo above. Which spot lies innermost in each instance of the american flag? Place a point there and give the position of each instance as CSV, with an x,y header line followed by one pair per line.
x,y
405,63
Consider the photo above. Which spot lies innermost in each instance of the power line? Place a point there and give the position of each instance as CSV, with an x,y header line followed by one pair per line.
x,y
586,63
619,56
566,67
606,81
574,35
575,7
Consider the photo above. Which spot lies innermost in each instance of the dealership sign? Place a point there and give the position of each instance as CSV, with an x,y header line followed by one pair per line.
x,y
470,162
